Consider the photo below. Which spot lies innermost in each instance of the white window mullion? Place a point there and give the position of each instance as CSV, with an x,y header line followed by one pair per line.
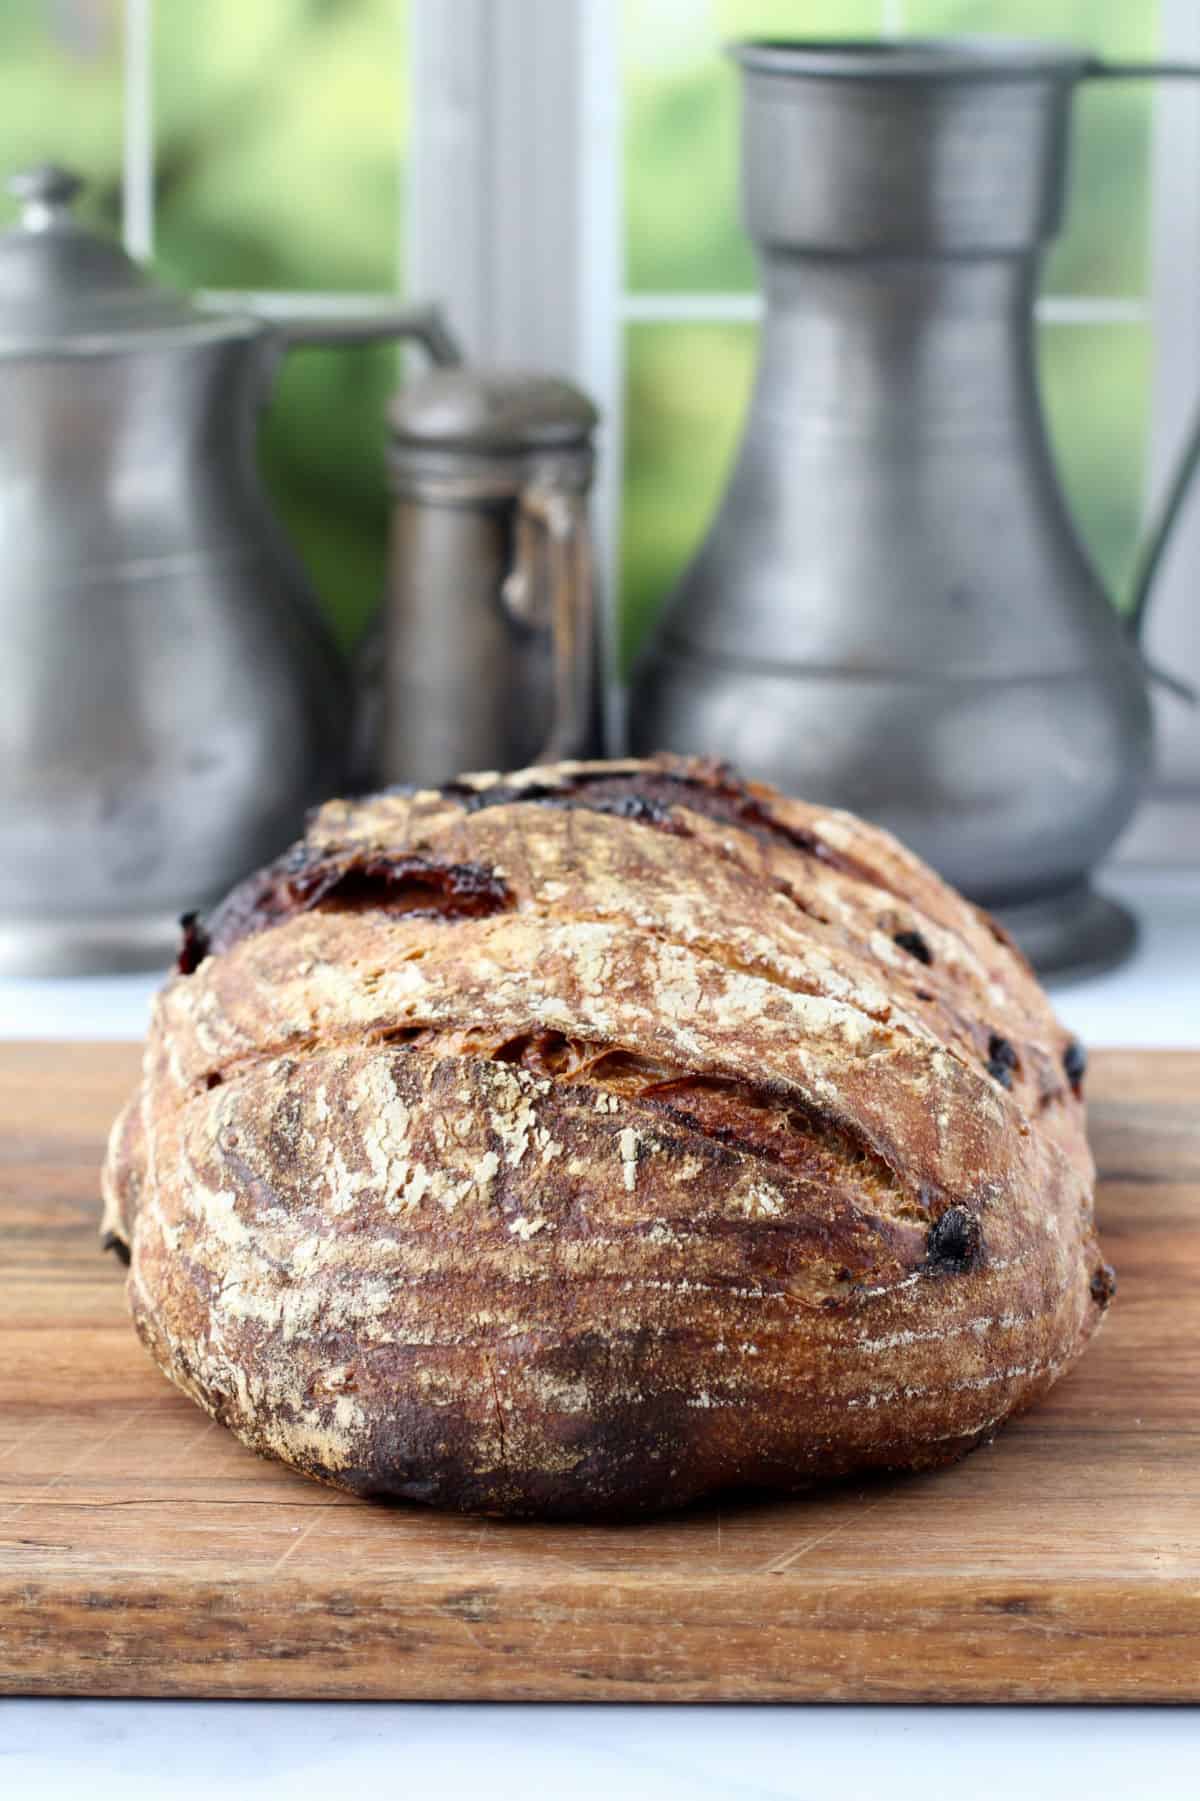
x,y
747,309
449,163
300,303
137,184
600,345
1167,830
498,141
692,309
513,212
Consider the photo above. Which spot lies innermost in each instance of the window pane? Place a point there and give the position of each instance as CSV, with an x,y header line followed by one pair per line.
x,y
323,445
686,394
62,94
1102,249
681,130
1095,382
280,132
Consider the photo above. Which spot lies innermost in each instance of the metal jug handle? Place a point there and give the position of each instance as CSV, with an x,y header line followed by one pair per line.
x,y
424,323
1097,68
553,522
1150,555
1150,551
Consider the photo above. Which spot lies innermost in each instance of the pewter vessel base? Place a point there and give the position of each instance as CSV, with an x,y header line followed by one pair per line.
x,y
87,947
1071,936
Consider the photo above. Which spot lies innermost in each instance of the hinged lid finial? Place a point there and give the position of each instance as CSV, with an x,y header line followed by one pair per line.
x,y
65,285
45,191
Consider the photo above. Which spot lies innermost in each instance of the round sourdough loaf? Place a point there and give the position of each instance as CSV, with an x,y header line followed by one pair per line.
x,y
591,1139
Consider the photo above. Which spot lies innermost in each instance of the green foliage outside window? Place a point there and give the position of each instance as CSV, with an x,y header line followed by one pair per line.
x,y
279,135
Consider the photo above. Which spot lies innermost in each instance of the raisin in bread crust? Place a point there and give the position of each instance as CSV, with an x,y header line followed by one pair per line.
x,y
591,1139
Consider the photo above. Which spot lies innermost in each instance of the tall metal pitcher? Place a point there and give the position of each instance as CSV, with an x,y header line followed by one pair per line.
x,y
892,610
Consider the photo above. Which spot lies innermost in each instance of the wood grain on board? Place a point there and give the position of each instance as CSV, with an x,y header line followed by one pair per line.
x,y
144,1552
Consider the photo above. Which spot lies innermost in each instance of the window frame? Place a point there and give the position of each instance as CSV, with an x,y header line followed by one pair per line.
x,y
1166,830
515,222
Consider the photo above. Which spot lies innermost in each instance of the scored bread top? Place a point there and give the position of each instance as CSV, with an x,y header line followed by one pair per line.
x,y
612,1133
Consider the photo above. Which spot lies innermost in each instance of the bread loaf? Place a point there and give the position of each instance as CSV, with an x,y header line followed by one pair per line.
x,y
591,1139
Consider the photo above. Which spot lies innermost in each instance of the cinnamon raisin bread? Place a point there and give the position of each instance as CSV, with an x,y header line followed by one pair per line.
x,y
591,1139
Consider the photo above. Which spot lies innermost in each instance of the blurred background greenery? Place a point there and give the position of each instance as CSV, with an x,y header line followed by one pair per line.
x,y
281,134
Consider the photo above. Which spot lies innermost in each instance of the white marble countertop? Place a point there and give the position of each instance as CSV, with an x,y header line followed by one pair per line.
x,y
135,1749
242,1751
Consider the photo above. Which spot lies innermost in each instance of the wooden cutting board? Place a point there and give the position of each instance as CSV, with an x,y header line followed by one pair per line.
x,y
143,1552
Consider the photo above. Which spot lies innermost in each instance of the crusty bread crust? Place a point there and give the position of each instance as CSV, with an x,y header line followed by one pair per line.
x,y
592,1139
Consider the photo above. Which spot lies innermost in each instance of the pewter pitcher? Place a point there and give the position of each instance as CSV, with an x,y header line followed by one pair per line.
x,y
892,611
170,698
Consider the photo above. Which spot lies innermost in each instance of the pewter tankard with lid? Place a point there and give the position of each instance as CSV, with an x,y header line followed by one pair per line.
x,y
892,611
489,640
170,699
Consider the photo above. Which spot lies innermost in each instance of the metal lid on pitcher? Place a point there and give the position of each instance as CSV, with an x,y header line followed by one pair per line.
x,y
466,435
66,288
500,412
